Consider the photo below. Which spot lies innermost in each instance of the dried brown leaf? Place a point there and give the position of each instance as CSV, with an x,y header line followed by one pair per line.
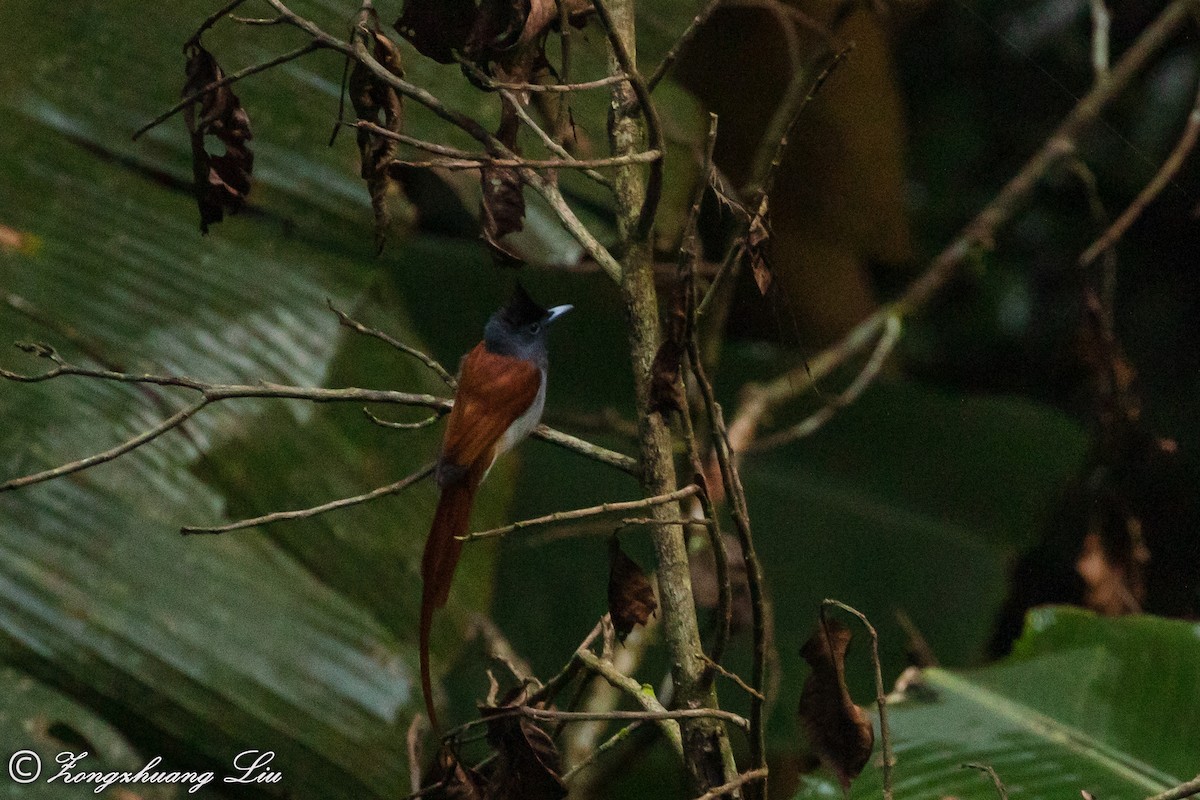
x,y
221,182
758,242
839,730
503,205
706,589
450,780
528,764
630,596
437,28
1108,590
377,102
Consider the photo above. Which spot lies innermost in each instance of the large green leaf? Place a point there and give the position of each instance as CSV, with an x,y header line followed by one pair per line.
x,y
294,641
39,720
1110,706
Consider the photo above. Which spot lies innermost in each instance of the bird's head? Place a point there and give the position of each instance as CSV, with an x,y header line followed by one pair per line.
x,y
519,328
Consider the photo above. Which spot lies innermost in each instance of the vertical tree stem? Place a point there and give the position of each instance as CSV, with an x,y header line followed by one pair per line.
x,y
707,755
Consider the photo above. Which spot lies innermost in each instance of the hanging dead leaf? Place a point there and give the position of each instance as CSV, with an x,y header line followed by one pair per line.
x,y
1108,582
448,779
527,766
839,730
630,596
221,181
666,385
377,102
437,28
503,205
706,588
505,27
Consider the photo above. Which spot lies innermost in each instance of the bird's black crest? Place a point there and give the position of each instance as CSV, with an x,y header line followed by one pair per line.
x,y
522,309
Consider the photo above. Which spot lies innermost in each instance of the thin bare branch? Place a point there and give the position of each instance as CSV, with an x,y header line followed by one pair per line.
x,y
1166,173
1183,790
758,400
306,513
732,482
548,140
733,676
213,19
885,731
580,513
215,392
645,157
231,77
1001,792
866,376
688,34
259,21
558,88
403,426
170,423
429,361
654,716
749,776
636,692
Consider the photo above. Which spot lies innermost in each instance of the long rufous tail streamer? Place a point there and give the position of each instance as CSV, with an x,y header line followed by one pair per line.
x,y
442,550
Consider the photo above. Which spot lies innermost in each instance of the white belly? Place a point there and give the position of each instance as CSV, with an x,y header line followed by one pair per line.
x,y
523,425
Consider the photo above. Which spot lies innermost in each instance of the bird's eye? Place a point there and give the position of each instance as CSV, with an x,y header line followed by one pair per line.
x,y
535,327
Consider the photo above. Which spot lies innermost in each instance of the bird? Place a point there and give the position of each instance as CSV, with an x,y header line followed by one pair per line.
x,y
498,402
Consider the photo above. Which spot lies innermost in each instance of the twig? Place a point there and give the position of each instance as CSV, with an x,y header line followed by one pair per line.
x,y
741,522
653,716
918,647
799,93
759,774
632,521
404,426
170,423
501,649
1101,21
766,164
885,731
458,164
653,189
579,513
305,513
1166,173
559,88
604,747
1001,792
688,34
231,77
641,695
472,127
429,361
759,399
213,19
261,21
595,452
214,392
733,676
1181,791
580,746
548,140
870,371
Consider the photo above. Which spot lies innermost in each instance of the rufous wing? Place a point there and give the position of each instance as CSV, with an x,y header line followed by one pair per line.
x,y
493,392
